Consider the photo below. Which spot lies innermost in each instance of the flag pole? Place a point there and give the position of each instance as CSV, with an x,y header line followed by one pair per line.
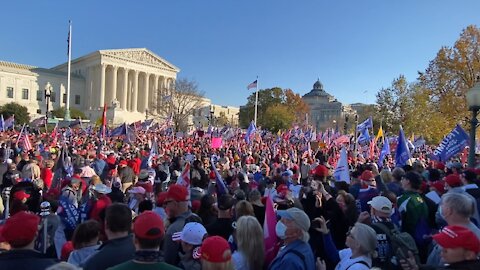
x,y
67,105
256,102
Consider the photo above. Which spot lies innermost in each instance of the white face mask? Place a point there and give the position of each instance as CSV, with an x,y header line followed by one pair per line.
x,y
280,230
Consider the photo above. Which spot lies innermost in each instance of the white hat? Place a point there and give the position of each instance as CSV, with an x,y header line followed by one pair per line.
x,y
102,188
137,190
9,161
192,233
381,204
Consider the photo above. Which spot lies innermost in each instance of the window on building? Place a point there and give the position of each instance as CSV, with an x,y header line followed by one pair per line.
x,y
64,98
40,95
9,92
25,93
77,99
53,97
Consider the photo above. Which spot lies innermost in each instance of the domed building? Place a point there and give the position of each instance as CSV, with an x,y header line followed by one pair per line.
x,y
324,108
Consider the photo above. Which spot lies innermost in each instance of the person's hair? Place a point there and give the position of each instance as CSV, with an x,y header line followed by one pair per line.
x,y
244,208
254,195
85,233
95,180
398,173
63,266
249,237
149,243
366,238
386,176
145,205
459,203
118,218
217,266
351,213
434,175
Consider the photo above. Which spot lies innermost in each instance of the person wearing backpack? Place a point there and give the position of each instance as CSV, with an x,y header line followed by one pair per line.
x,y
392,245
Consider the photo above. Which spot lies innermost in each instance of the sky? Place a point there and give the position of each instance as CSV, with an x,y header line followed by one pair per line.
x,y
354,47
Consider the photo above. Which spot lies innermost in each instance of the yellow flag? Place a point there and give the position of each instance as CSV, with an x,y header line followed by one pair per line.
x,y
379,134
412,138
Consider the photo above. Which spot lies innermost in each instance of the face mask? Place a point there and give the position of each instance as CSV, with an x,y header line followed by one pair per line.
x,y
280,230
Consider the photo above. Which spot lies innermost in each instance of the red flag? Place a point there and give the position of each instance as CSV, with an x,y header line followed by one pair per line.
x,y
269,234
184,179
104,121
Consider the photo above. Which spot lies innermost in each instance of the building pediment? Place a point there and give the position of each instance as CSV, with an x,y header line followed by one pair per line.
x,y
141,56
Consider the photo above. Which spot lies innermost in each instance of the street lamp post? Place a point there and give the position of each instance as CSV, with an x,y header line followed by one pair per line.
x,y
473,102
211,117
48,94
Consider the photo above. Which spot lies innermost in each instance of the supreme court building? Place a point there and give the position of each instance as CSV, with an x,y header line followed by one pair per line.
x,y
131,82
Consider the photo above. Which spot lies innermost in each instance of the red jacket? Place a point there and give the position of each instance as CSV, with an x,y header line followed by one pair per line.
x,y
102,203
135,165
47,176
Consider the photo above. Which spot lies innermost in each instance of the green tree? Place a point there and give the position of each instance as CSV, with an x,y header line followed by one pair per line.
x,y
278,116
21,112
74,113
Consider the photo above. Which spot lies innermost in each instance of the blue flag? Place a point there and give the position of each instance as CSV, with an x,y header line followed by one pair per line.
x,y
383,153
365,124
250,131
68,213
2,123
402,154
364,137
221,187
119,131
452,144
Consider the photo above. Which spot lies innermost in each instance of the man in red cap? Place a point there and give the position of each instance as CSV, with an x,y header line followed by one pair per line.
x,y
460,249
21,231
176,206
367,190
126,175
149,230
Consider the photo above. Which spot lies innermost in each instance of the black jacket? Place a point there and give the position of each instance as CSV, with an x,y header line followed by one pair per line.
x,y
25,259
111,253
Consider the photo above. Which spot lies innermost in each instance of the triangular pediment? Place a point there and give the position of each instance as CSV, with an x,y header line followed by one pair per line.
x,y
142,56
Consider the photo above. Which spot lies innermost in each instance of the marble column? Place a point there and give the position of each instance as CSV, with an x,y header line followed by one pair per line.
x,y
114,84
102,86
146,89
135,91
155,94
123,102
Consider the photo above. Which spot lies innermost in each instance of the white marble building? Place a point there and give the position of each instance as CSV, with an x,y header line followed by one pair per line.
x,y
127,80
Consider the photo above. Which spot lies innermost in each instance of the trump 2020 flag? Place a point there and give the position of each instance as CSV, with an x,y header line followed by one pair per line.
x,y
452,144
365,124
402,155
383,153
341,173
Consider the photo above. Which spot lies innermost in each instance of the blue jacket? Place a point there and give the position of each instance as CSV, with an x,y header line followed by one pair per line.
x,y
289,257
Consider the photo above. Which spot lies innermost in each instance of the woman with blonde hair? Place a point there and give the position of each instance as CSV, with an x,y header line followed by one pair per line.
x,y
249,239
361,243
216,254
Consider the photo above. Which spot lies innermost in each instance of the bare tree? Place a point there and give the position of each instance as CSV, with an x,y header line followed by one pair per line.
x,y
179,104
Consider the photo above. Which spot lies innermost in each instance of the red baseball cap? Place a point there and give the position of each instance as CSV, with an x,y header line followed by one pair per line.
x,y
321,171
282,188
20,229
20,195
177,193
215,249
453,180
67,248
457,237
148,225
161,196
367,175
123,163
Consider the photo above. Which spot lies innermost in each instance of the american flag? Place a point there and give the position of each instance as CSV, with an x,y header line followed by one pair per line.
x,y
27,145
252,85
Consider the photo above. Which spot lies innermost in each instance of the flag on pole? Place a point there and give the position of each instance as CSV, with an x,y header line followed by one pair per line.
x,y
68,38
104,122
27,145
9,122
402,154
153,152
184,178
252,85
384,152
2,123
221,188
365,125
379,134
250,131
341,172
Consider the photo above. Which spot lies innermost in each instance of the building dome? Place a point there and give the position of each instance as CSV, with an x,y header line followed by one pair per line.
x,y
318,85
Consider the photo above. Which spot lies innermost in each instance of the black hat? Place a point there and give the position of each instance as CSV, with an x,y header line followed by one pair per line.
x,y
225,202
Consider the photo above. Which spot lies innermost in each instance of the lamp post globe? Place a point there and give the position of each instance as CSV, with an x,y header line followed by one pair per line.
x,y
473,102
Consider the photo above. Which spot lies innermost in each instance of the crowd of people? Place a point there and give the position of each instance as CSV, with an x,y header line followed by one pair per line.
x,y
76,200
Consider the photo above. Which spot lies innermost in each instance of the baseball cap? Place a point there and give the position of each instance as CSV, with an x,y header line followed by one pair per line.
x,y
321,170
367,175
148,225
20,195
282,188
457,237
143,175
298,216
123,163
161,196
225,202
453,180
20,229
137,190
215,249
381,204
192,233
177,193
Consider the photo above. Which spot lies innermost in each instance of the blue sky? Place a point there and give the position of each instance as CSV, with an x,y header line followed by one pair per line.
x,y
354,47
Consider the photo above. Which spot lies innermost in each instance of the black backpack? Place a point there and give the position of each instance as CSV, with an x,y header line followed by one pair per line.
x,y
400,243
